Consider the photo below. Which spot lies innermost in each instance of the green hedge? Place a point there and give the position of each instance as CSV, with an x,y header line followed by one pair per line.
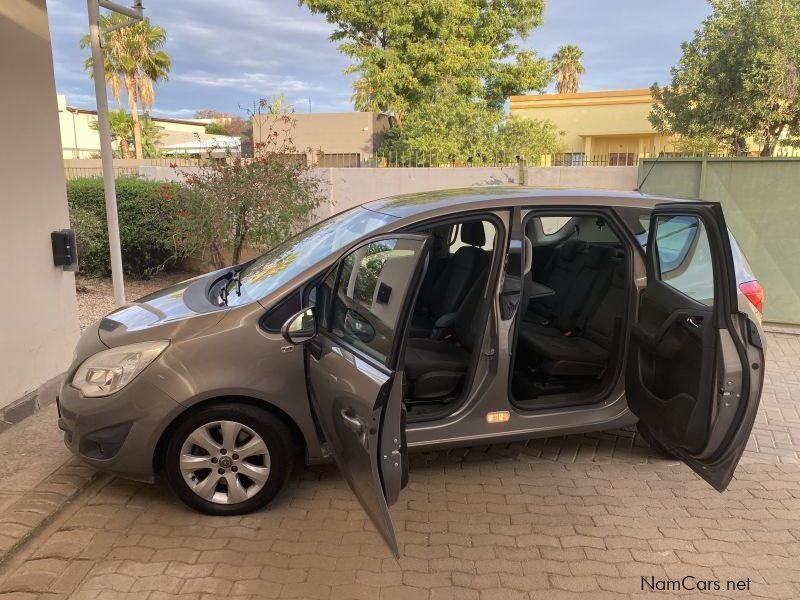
x,y
148,222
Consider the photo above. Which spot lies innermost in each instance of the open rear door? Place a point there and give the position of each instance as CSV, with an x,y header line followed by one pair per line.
x,y
695,362
354,368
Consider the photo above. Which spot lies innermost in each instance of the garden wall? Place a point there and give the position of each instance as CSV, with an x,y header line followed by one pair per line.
x,y
762,208
346,188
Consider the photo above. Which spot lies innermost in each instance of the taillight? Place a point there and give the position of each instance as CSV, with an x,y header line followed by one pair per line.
x,y
754,293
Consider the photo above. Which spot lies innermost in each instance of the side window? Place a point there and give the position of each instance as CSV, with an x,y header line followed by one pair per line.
x,y
373,283
551,225
684,256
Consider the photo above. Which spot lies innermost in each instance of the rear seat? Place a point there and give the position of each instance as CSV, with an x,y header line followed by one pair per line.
x,y
577,341
560,273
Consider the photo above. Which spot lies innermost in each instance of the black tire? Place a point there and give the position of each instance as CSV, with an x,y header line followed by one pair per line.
x,y
272,431
654,444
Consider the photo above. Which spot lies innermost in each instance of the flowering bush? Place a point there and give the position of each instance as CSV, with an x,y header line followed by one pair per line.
x,y
234,203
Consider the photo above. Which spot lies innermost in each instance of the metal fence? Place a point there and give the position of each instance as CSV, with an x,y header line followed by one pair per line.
x,y
75,168
565,159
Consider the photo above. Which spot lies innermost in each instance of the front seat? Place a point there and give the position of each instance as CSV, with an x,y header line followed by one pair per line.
x,y
448,290
434,368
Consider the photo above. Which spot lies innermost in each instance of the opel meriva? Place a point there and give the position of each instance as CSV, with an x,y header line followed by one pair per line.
x,y
484,315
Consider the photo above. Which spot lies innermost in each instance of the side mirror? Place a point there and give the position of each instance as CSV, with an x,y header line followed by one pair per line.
x,y
301,327
358,326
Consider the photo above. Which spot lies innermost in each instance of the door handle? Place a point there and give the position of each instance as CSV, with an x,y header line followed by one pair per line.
x,y
356,425
352,421
694,321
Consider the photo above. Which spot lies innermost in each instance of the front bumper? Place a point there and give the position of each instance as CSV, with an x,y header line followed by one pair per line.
x,y
118,433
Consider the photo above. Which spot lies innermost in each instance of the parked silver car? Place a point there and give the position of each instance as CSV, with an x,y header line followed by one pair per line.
x,y
448,318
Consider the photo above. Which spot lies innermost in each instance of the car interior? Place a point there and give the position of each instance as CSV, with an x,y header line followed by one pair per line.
x,y
574,302
448,317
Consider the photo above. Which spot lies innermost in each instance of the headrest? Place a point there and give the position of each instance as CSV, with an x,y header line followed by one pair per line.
x,y
472,233
570,249
599,256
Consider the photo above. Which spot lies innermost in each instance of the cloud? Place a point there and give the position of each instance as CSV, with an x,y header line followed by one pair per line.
x,y
228,54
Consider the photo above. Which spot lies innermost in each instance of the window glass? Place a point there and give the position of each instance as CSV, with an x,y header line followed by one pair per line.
x,y
371,291
301,252
551,225
684,256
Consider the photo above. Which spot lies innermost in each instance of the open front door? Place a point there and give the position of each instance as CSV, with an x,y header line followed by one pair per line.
x,y
695,363
354,368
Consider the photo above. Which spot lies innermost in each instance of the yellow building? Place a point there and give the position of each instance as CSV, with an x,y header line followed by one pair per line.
x,y
80,139
598,127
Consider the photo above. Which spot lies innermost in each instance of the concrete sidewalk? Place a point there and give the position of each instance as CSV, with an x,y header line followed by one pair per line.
x,y
40,477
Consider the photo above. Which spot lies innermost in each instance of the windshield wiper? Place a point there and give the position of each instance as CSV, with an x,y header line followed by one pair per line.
x,y
236,277
224,293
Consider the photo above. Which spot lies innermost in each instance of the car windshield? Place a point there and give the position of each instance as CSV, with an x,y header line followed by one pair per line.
x,y
289,259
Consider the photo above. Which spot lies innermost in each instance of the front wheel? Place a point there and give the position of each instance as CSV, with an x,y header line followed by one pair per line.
x,y
228,459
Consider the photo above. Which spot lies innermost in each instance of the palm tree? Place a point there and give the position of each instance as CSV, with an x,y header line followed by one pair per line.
x,y
277,105
568,68
133,57
121,126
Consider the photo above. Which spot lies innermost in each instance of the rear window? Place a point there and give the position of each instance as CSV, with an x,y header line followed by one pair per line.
x,y
638,222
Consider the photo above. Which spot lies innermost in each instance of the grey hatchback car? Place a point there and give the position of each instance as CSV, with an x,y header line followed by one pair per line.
x,y
448,318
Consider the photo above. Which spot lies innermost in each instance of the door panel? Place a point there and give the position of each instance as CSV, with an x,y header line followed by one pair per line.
x,y
354,369
688,374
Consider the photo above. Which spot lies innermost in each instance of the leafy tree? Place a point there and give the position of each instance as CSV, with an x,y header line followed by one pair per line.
x,y
409,54
528,138
133,57
209,113
216,129
232,124
456,129
568,68
738,78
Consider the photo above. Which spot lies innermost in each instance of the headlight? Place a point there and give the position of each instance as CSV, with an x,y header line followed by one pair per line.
x,y
111,370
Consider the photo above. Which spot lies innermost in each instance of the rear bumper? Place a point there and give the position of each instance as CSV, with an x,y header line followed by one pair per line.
x,y
119,433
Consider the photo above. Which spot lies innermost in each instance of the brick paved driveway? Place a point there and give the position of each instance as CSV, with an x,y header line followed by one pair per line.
x,y
552,518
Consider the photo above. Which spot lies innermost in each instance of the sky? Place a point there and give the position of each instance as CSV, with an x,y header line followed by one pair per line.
x,y
226,54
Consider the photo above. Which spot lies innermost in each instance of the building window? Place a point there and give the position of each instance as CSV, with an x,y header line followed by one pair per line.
x,y
569,159
621,159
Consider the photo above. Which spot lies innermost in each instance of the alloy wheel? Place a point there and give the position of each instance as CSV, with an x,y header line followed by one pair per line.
x,y
225,462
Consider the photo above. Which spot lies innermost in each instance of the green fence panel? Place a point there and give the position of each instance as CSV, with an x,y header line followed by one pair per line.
x,y
761,200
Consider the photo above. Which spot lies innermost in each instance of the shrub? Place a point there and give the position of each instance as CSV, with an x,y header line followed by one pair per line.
x,y
147,225
257,202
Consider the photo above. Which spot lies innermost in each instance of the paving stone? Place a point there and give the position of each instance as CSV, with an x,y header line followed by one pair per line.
x,y
563,517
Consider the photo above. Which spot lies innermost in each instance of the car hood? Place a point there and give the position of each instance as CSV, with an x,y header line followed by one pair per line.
x,y
178,310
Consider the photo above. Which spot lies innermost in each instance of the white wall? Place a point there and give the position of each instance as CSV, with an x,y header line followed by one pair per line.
x,y
346,188
596,178
38,306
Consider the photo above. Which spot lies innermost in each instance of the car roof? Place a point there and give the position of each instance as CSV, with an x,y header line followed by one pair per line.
x,y
490,197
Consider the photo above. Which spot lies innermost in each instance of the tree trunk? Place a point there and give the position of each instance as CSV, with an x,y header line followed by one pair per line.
x,y
124,148
239,237
137,130
216,257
